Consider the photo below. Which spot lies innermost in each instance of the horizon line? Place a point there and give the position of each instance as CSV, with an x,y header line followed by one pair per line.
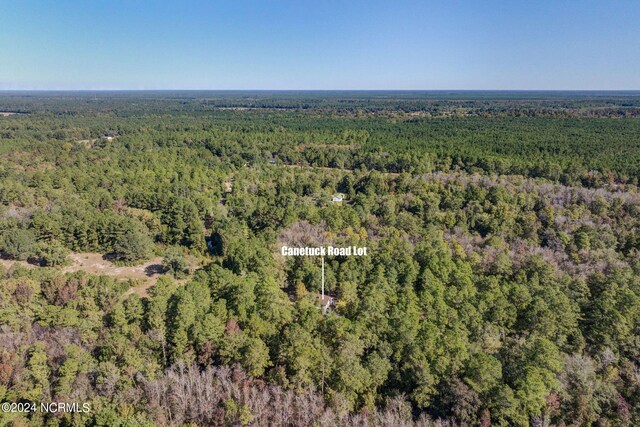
x,y
316,90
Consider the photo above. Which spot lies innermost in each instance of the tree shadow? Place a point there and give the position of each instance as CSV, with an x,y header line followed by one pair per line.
x,y
32,260
36,261
152,269
110,257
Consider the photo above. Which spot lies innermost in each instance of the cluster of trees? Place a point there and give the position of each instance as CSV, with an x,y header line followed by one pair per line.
x,y
485,300
569,146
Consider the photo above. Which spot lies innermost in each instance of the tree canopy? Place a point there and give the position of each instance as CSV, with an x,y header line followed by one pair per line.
x,y
501,285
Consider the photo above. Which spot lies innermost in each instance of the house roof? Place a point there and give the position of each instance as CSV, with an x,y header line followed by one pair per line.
x,y
326,300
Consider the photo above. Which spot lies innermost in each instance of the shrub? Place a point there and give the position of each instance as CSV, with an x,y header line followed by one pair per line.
x,y
18,243
174,262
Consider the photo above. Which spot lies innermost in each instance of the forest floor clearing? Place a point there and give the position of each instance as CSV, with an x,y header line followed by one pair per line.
x,y
94,263
145,274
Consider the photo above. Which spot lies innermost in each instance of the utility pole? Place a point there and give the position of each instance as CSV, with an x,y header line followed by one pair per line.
x,y
322,300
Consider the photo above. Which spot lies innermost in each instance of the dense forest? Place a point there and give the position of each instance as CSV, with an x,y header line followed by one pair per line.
x,y
501,286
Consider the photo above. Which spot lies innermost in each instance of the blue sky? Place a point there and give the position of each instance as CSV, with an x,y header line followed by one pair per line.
x,y
323,44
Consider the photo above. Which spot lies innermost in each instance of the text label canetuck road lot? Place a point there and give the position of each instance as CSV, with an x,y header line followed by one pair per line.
x,y
325,251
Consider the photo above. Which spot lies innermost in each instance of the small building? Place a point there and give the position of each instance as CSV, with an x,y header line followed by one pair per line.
x,y
272,160
325,302
337,198
109,136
